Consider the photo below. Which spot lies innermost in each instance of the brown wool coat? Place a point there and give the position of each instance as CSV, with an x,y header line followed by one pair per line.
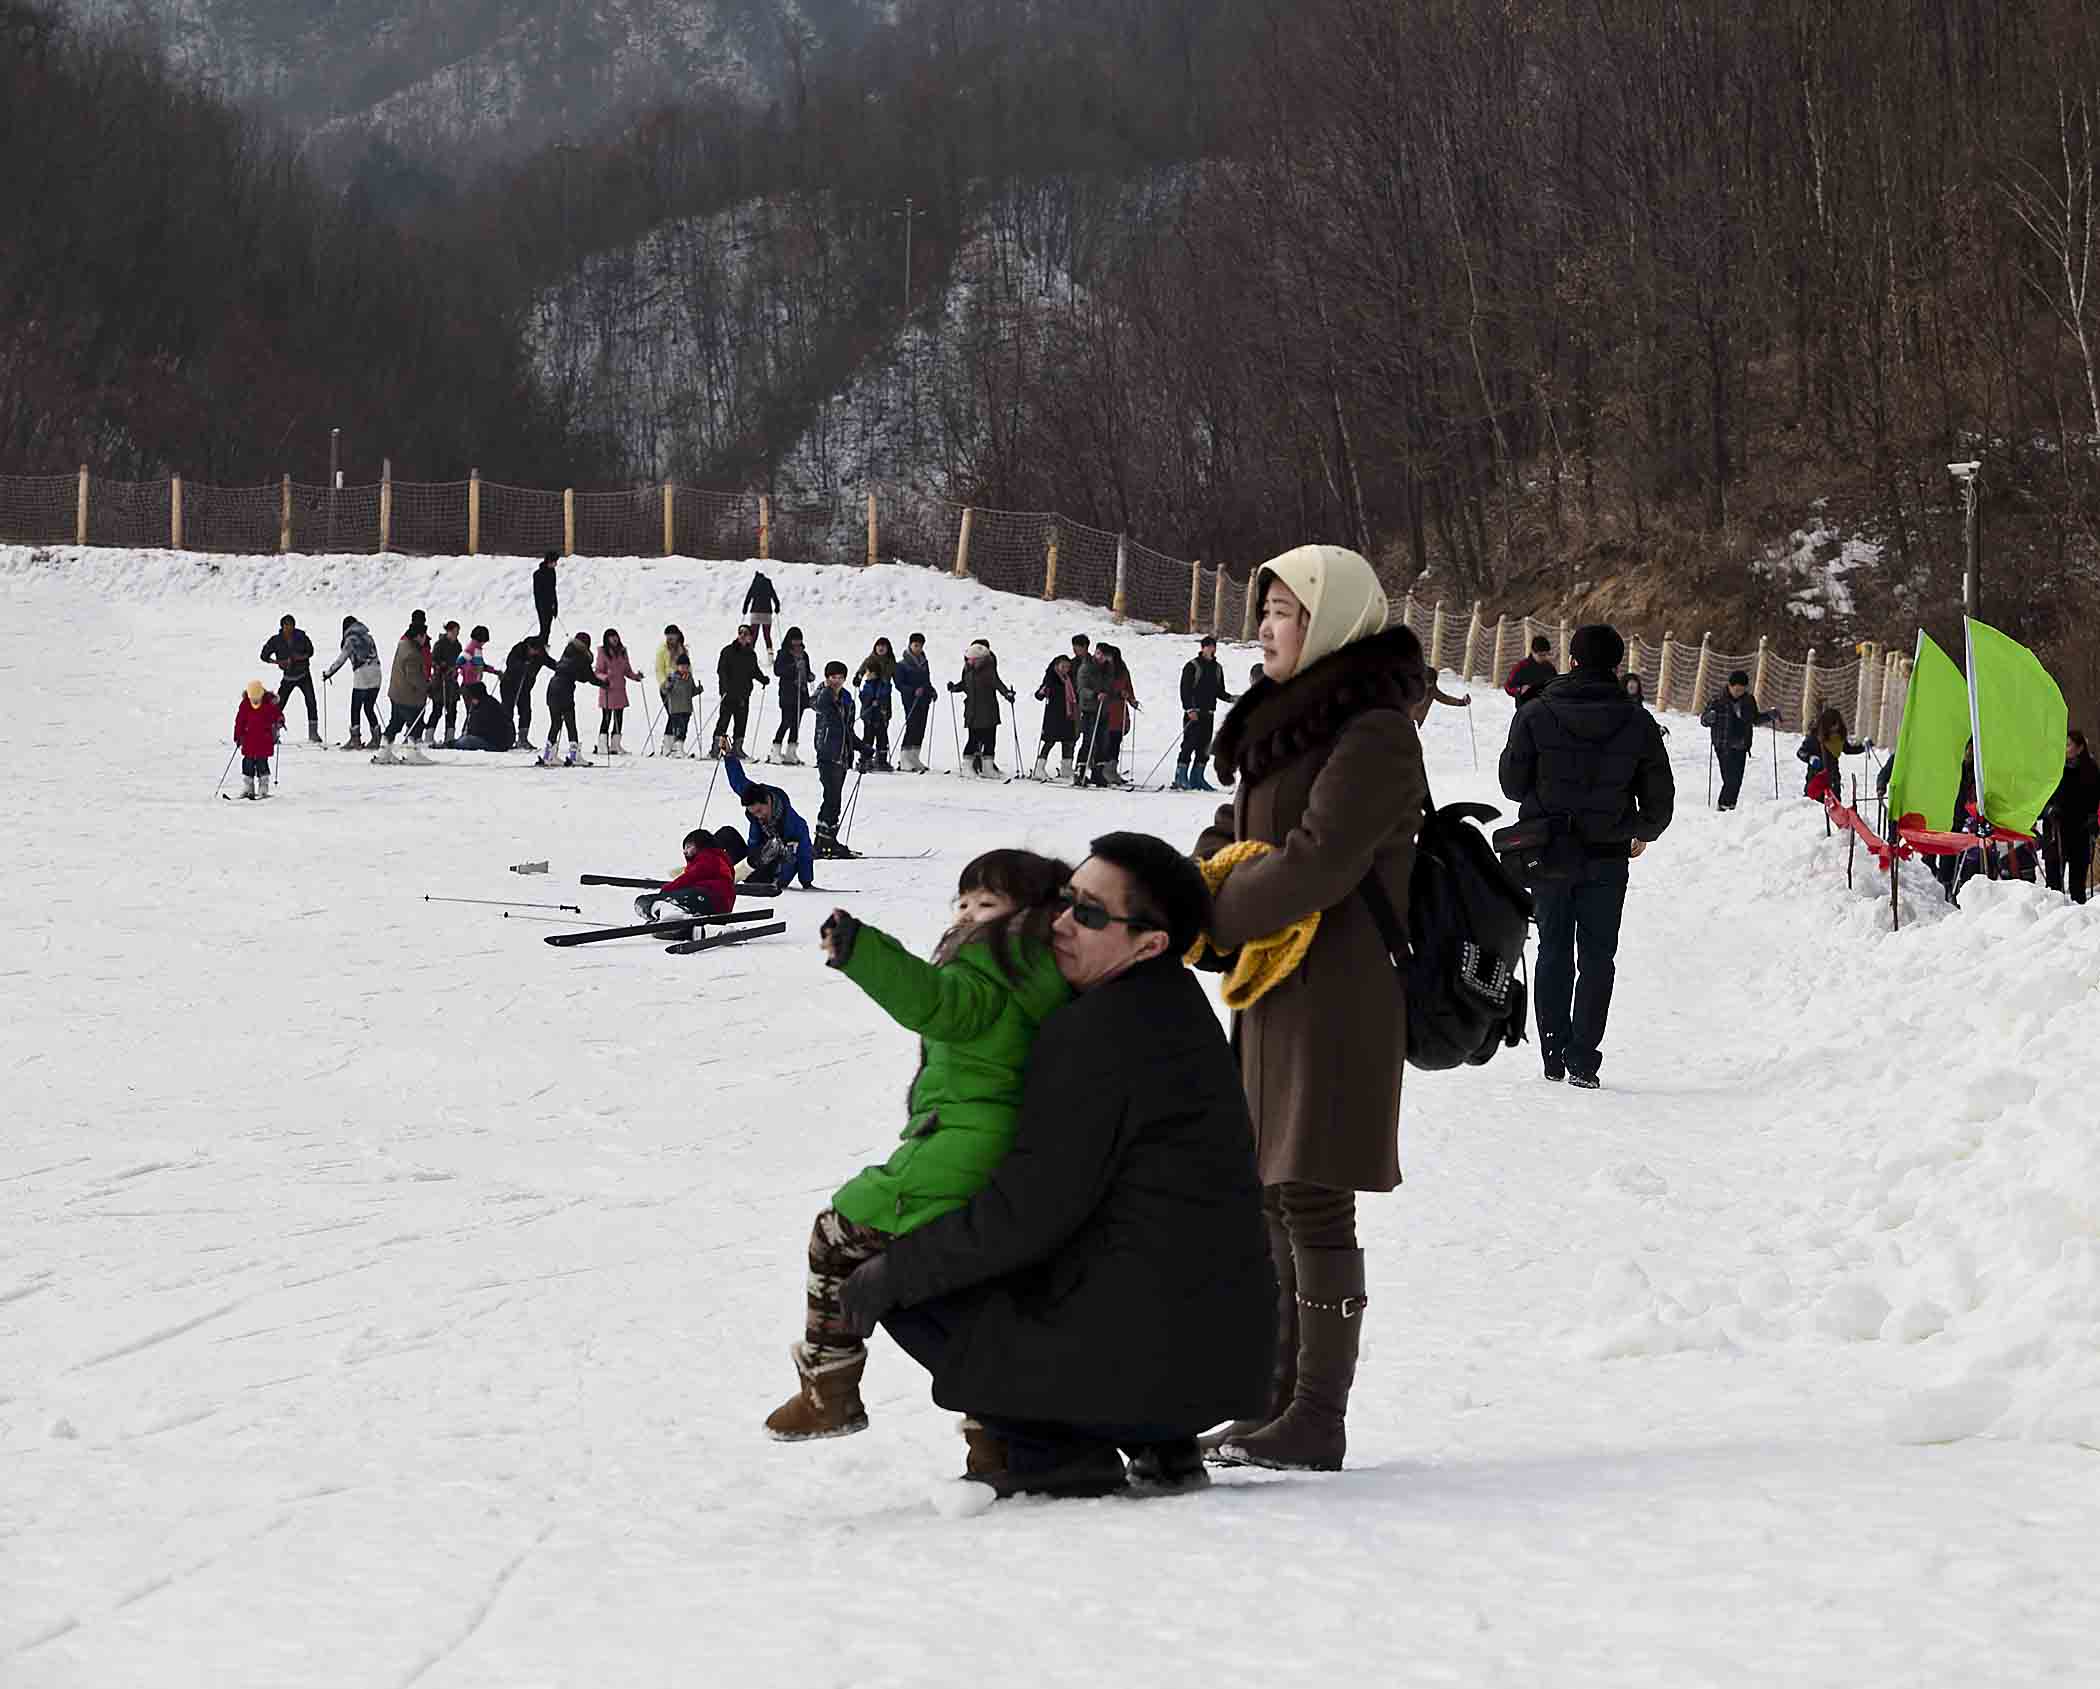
x,y
1330,772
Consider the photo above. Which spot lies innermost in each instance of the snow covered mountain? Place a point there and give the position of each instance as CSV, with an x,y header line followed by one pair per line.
x,y
419,74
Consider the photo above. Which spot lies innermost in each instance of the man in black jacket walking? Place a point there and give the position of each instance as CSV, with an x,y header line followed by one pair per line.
x,y
1584,756
1111,1286
1733,719
1202,689
544,600
293,653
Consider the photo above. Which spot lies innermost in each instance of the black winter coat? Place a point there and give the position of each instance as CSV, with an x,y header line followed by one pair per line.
x,y
543,599
2077,797
490,722
1734,721
1529,678
737,671
574,668
296,653
1203,686
760,599
444,665
834,713
1582,749
519,667
1115,1270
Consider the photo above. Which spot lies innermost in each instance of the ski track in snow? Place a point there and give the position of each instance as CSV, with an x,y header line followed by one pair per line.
x,y
387,1298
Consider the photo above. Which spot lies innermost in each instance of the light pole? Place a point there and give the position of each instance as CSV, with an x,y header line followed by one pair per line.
x,y
909,214
335,478
1971,587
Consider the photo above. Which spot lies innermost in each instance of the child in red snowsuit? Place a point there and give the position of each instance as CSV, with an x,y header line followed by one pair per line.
x,y
708,885
255,731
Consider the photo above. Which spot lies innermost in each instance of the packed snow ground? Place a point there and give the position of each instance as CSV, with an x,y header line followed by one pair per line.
x,y
387,1298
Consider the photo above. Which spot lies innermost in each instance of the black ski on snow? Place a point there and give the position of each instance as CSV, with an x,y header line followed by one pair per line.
x,y
622,880
678,926
718,940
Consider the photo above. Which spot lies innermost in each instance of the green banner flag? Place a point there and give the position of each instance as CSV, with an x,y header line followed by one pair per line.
x,y
2018,717
1927,774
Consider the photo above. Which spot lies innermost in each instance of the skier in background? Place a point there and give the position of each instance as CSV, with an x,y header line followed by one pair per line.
x,y
761,605
613,670
444,681
1202,690
736,672
407,690
680,692
1060,699
1821,748
293,653
1733,719
487,722
2068,823
915,694
520,668
982,689
255,722
361,652
575,667
791,669
876,692
1534,674
474,668
545,600
835,747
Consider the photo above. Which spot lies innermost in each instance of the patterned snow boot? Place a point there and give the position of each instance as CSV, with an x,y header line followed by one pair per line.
x,y
828,1403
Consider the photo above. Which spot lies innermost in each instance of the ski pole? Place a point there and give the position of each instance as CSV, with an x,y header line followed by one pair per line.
x,y
500,903
649,717
1472,738
1774,725
758,730
853,798
955,733
1016,703
228,769
1709,774
1155,767
710,798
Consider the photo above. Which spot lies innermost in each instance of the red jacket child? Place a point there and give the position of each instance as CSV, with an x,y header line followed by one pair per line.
x,y
255,722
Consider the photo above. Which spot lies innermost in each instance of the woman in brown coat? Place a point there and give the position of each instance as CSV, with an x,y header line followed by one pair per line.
x,y
1329,772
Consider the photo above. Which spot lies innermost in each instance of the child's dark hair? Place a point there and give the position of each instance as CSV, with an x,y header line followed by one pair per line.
x,y
481,633
1033,883
833,668
685,660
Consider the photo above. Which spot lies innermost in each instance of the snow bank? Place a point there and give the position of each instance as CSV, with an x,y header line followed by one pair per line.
x,y
1956,1220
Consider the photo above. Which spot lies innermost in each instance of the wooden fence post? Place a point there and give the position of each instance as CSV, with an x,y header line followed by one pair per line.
x,y
1863,694
962,545
473,513
765,527
1247,614
1565,642
1436,637
1121,598
670,520
1530,630
175,512
1889,690
1662,675
1217,604
874,531
284,516
1808,691
80,510
1495,669
1704,672
1050,566
1764,665
568,521
386,504
1472,642
1195,593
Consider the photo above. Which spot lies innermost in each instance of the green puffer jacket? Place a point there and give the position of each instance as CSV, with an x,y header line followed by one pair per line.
x,y
977,1028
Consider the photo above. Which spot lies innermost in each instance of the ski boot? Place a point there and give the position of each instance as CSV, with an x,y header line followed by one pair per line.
x,y
355,742
1181,777
1196,781
1041,770
573,755
313,733
600,749
386,755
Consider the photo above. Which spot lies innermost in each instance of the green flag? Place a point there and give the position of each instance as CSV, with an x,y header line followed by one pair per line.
x,y
2018,717
1927,775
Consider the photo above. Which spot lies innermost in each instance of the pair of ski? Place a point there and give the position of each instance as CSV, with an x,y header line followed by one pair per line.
x,y
684,928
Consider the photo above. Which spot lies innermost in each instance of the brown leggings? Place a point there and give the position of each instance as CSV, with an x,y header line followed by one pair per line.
x,y
1316,1216
836,1246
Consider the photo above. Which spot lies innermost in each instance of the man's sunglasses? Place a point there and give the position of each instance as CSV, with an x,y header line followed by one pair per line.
x,y
1095,918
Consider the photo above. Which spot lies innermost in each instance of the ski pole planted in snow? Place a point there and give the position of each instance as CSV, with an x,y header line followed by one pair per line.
x,y
846,819
220,789
1709,774
1472,738
955,732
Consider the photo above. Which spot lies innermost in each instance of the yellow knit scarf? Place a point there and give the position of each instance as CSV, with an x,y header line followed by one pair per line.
x,y
1262,963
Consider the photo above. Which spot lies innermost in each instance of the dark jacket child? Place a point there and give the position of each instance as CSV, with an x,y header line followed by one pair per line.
x,y
520,667
1060,697
975,1005
680,693
361,652
761,605
791,669
836,748
1088,676
1820,749
255,723
576,666
915,695
707,884
1202,690
487,724
876,693
736,672
293,653
1733,718
776,841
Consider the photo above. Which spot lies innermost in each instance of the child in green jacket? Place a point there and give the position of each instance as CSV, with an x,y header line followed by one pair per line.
x,y
976,1006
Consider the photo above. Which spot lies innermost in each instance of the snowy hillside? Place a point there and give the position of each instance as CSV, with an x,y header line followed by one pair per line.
x,y
388,1298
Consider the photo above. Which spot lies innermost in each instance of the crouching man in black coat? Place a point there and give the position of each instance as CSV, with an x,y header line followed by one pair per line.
x,y
1110,1289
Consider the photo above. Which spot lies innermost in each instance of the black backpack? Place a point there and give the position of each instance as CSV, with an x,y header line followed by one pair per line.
x,y
1459,958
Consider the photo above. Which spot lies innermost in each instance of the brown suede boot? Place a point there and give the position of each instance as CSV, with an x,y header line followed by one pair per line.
x,y
827,1405
987,1451
1311,1435
1284,1380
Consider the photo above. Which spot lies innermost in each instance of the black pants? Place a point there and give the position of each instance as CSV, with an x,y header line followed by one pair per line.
x,y
404,715
675,725
611,721
1195,739
982,742
789,729
254,767
561,713
444,703
875,738
2069,862
915,722
1578,950
833,775
928,1331
546,624
1731,775
732,719
300,683
362,701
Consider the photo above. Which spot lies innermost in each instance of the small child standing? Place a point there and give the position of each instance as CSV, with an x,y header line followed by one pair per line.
x,y
876,692
708,884
679,691
255,725
976,1007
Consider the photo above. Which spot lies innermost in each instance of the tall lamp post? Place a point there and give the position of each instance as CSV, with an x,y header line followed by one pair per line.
x,y
1971,587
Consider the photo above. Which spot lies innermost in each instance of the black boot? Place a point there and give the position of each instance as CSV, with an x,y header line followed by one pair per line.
x,y
1312,1434
1168,1468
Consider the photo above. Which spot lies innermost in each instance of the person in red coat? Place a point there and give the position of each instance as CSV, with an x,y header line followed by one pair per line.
x,y
708,885
255,732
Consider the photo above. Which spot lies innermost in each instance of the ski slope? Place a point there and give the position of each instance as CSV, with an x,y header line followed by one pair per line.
x,y
387,1298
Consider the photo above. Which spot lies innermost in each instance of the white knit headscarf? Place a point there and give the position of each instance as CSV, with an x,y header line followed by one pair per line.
x,y
1341,595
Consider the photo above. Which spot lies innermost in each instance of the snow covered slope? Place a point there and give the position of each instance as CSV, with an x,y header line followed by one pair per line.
x,y
388,1298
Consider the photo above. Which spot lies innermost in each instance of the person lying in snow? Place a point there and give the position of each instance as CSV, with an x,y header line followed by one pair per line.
x,y
707,885
976,1006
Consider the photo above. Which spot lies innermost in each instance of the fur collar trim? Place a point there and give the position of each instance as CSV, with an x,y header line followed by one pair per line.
x,y
1271,724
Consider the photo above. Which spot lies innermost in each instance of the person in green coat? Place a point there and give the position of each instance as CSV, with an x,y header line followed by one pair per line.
x,y
976,1007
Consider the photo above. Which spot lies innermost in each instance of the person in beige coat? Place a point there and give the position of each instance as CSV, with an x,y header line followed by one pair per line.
x,y
1329,771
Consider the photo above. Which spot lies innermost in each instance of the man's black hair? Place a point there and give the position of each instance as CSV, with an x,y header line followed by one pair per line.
x,y
916,639
551,557
834,667
1597,646
1539,642
1170,888
1081,639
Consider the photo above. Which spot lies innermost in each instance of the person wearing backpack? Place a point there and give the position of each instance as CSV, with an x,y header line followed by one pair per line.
x,y
1588,760
1330,793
